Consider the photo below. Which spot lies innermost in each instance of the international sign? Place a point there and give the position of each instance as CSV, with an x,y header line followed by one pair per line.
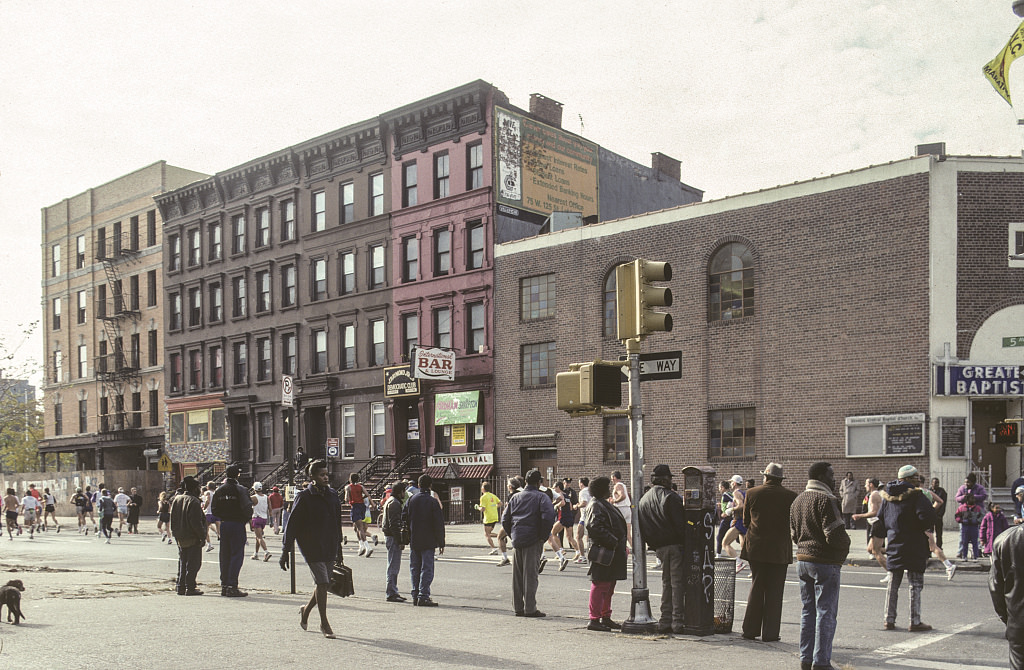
x,y
287,391
434,364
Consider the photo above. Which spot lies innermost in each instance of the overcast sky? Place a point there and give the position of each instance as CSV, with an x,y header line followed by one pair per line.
x,y
746,94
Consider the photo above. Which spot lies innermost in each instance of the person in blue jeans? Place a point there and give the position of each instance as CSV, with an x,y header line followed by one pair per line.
x,y
822,545
426,531
391,526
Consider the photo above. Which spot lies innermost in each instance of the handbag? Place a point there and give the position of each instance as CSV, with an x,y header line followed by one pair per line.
x,y
341,583
404,534
601,555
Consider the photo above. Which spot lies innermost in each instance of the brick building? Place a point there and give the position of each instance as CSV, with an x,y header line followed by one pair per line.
x,y
812,319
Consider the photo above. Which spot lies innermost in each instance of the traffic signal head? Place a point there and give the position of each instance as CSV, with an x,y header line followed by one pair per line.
x,y
635,296
588,386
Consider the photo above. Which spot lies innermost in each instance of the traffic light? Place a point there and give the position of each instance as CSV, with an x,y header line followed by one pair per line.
x,y
635,296
588,386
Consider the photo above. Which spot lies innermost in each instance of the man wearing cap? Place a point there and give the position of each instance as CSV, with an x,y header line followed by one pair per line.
x,y
232,505
1018,506
769,552
906,514
662,518
188,526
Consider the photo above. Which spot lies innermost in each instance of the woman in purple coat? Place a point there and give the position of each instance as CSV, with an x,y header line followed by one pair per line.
x,y
992,525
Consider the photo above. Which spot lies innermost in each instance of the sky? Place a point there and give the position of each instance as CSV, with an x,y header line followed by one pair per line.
x,y
747,95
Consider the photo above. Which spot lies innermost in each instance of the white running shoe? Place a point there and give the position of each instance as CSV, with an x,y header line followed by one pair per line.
x,y
494,552
950,571
886,579
369,549
740,566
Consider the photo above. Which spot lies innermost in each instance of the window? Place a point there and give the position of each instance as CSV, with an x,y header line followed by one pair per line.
x,y
288,286
378,443
410,258
476,335
238,300
731,433
348,202
537,297
83,361
263,291
198,425
117,238
288,353
731,283
176,379
58,417
154,352
319,337
195,370
55,260
55,321
475,245
83,416
133,233
348,431
538,364
216,367
104,414
441,187
378,346
263,421
377,268
263,360
319,284
194,250
319,211
195,307
409,184
262,227
135,419
118,293
101,243
1018,243
58,365
216,244
348,346
287,220
376,194
216,302
80,253
175,311
474,165
133,293
442,252
101,360
151,228
240,363
238,234
151,289
101,300
616,439
82,300
174,258
136,352
443,327
155,418
410,333
348,273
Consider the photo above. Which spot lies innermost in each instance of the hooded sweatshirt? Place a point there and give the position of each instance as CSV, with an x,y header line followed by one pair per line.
x,y
907,514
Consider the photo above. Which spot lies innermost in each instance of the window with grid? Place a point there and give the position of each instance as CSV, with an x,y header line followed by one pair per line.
x,y
83,361
240,363
263,291
442,252
175,311
348,431
377,194
80,252
443,327
83,416
287,220
378,344
475,245
216,245
610,320
616,439
238,234
410,258
348,202
319,342
319,211
238,297
538,367
731,283
135,419
195,307
348,346
263,420
377,267
476,327
216,302
195,370
288,353
288,286
348,273
55,317
82,301
537,297
262,227
731,433
319,283
263,359
409,184
441,174
474,165
410,332
194,248
174,257
378,441
216,367
176,373
55,260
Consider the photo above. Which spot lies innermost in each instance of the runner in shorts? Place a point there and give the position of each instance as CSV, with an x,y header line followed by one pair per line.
x,y
260,517
581,506
737,531
89,504
355,495
30,508
488,508
79,501
211,520
11,513
121,500
49,509
876,529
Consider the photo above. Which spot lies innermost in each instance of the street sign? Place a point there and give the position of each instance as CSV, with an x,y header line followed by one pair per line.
x,y
165,464
287,391
333,444
661,365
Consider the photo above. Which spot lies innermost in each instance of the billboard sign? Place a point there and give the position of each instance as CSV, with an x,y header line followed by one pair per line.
x,y
434,364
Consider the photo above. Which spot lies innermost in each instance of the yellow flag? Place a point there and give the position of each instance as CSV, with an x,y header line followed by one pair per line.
x,y
997,70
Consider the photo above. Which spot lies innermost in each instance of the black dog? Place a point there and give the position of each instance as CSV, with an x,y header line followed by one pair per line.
x,y
10,595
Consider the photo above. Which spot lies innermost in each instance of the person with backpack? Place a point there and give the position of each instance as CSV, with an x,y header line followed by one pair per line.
x,y
969,516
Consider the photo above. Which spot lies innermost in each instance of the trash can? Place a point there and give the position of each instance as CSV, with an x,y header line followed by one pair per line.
x,y
725,594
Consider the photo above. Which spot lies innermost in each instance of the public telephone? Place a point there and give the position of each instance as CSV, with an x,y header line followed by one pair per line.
x,y
699,500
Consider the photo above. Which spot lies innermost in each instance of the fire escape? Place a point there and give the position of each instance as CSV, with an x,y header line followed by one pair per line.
x,y
117,368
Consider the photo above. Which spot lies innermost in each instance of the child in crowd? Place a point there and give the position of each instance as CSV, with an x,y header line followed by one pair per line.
x,y
992,525
969,515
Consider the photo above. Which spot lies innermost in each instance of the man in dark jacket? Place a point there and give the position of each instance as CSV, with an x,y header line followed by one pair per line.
x,y
315,524
233,506
391,526
1006,586
426,532
662,519
819,531
188,526
906,514
769,552
527,519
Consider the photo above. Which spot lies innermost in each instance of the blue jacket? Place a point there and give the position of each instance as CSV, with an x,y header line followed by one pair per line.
x,y
315,523
426,522
528,517
907,514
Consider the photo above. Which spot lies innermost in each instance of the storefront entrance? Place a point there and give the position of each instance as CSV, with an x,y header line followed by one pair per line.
x,y
544,459
985,453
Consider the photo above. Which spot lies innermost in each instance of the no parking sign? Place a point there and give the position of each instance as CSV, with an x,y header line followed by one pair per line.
x,y
332,447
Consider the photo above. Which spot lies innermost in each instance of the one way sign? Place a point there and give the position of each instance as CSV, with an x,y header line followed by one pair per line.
x,y
661,365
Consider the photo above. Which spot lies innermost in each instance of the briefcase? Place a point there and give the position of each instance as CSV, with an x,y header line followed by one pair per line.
x,y
341,579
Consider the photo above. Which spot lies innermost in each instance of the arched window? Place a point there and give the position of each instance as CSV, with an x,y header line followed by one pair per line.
x,y
731,283
609,305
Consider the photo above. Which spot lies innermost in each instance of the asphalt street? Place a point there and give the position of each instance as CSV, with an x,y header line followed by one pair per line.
x,y
88,602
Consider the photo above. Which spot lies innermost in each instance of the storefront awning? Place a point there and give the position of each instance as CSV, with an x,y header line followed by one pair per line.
x,y
455,471
476,471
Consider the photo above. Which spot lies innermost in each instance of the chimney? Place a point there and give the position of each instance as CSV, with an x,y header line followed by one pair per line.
x,y
547,110
666,165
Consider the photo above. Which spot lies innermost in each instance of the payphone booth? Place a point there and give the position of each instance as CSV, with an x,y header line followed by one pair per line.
x,y
700,501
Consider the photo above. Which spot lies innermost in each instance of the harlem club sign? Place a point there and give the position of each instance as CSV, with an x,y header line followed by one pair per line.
x,y
434,364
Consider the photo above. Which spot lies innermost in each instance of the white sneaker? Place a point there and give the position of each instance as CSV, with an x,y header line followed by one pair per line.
x,y
369,549
740,566
108,540
362,550
950,571
886,579
494,552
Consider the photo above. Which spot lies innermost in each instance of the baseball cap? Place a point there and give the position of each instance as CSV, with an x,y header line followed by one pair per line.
x,y
1020,489
258,486
737,478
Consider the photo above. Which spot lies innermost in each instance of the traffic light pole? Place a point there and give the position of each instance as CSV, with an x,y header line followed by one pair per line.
x,y
640,621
